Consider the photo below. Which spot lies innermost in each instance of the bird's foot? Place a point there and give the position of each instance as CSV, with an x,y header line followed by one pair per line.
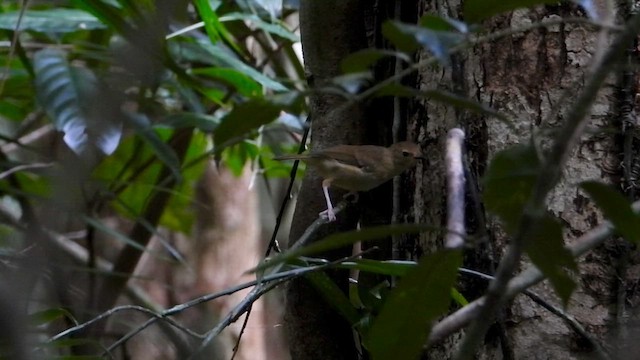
x,y
328,214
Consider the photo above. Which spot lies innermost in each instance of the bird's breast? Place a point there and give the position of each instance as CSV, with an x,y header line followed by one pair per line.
x,y
349,177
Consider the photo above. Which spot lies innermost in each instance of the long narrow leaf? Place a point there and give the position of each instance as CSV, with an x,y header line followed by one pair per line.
x,y
403,326
67,94
340,240
215,29
164,152
51,21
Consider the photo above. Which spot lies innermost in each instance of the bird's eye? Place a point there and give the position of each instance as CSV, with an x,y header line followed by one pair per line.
x,y
405,153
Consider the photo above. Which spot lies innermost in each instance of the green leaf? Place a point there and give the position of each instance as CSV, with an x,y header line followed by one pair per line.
x,y
163,151
458,297
50,315
131,174
438,23
278,29
242,119
98,225
108,13
615,208
547,251
12,111
341,240
54,20
223,57
407,38
206,123
477,10
403,326
404,41
387,267
242,83
236,156
362,60
179,214
68,95
372,299
509,182
214,28
334,296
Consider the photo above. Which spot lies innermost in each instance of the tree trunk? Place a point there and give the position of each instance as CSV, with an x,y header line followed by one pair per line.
x,y
228,244
330,31
532,77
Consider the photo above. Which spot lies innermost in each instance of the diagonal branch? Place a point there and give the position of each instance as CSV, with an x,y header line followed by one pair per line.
x,y
530,277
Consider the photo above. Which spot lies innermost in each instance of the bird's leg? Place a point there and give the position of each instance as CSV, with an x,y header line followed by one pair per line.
x,y
329,212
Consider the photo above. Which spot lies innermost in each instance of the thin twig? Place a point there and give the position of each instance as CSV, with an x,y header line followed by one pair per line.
x,y
236,347
455,189
285,200
260,289
118,309
17,168
266,283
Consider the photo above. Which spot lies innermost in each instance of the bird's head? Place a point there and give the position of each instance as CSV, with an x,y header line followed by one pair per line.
x,y
406,154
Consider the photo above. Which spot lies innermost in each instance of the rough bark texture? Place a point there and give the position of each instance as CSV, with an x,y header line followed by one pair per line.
x,y
527,76
530,76
330,31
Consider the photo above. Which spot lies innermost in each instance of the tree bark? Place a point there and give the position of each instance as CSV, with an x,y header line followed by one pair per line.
x,y
330,31
532,77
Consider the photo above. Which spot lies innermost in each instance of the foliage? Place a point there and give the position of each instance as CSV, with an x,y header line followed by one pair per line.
x,y
127,82
142,109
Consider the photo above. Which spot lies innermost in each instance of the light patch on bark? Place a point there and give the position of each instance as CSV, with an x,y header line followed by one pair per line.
x,y
227,244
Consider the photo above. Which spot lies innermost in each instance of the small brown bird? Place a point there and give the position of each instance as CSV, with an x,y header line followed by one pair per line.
x,y
358,167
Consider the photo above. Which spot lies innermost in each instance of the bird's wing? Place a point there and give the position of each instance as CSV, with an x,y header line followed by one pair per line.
x,y
344,154
370,157
364,157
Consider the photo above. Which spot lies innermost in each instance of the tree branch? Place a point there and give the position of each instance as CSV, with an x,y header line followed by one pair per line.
x,y
530,277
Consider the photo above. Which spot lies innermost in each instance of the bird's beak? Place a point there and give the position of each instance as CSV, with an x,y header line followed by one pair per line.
x,y
420,157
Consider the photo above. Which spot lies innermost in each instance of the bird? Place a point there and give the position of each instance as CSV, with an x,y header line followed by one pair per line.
x,y
358,167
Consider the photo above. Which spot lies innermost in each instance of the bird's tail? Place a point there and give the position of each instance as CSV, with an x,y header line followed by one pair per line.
x,y
291,157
